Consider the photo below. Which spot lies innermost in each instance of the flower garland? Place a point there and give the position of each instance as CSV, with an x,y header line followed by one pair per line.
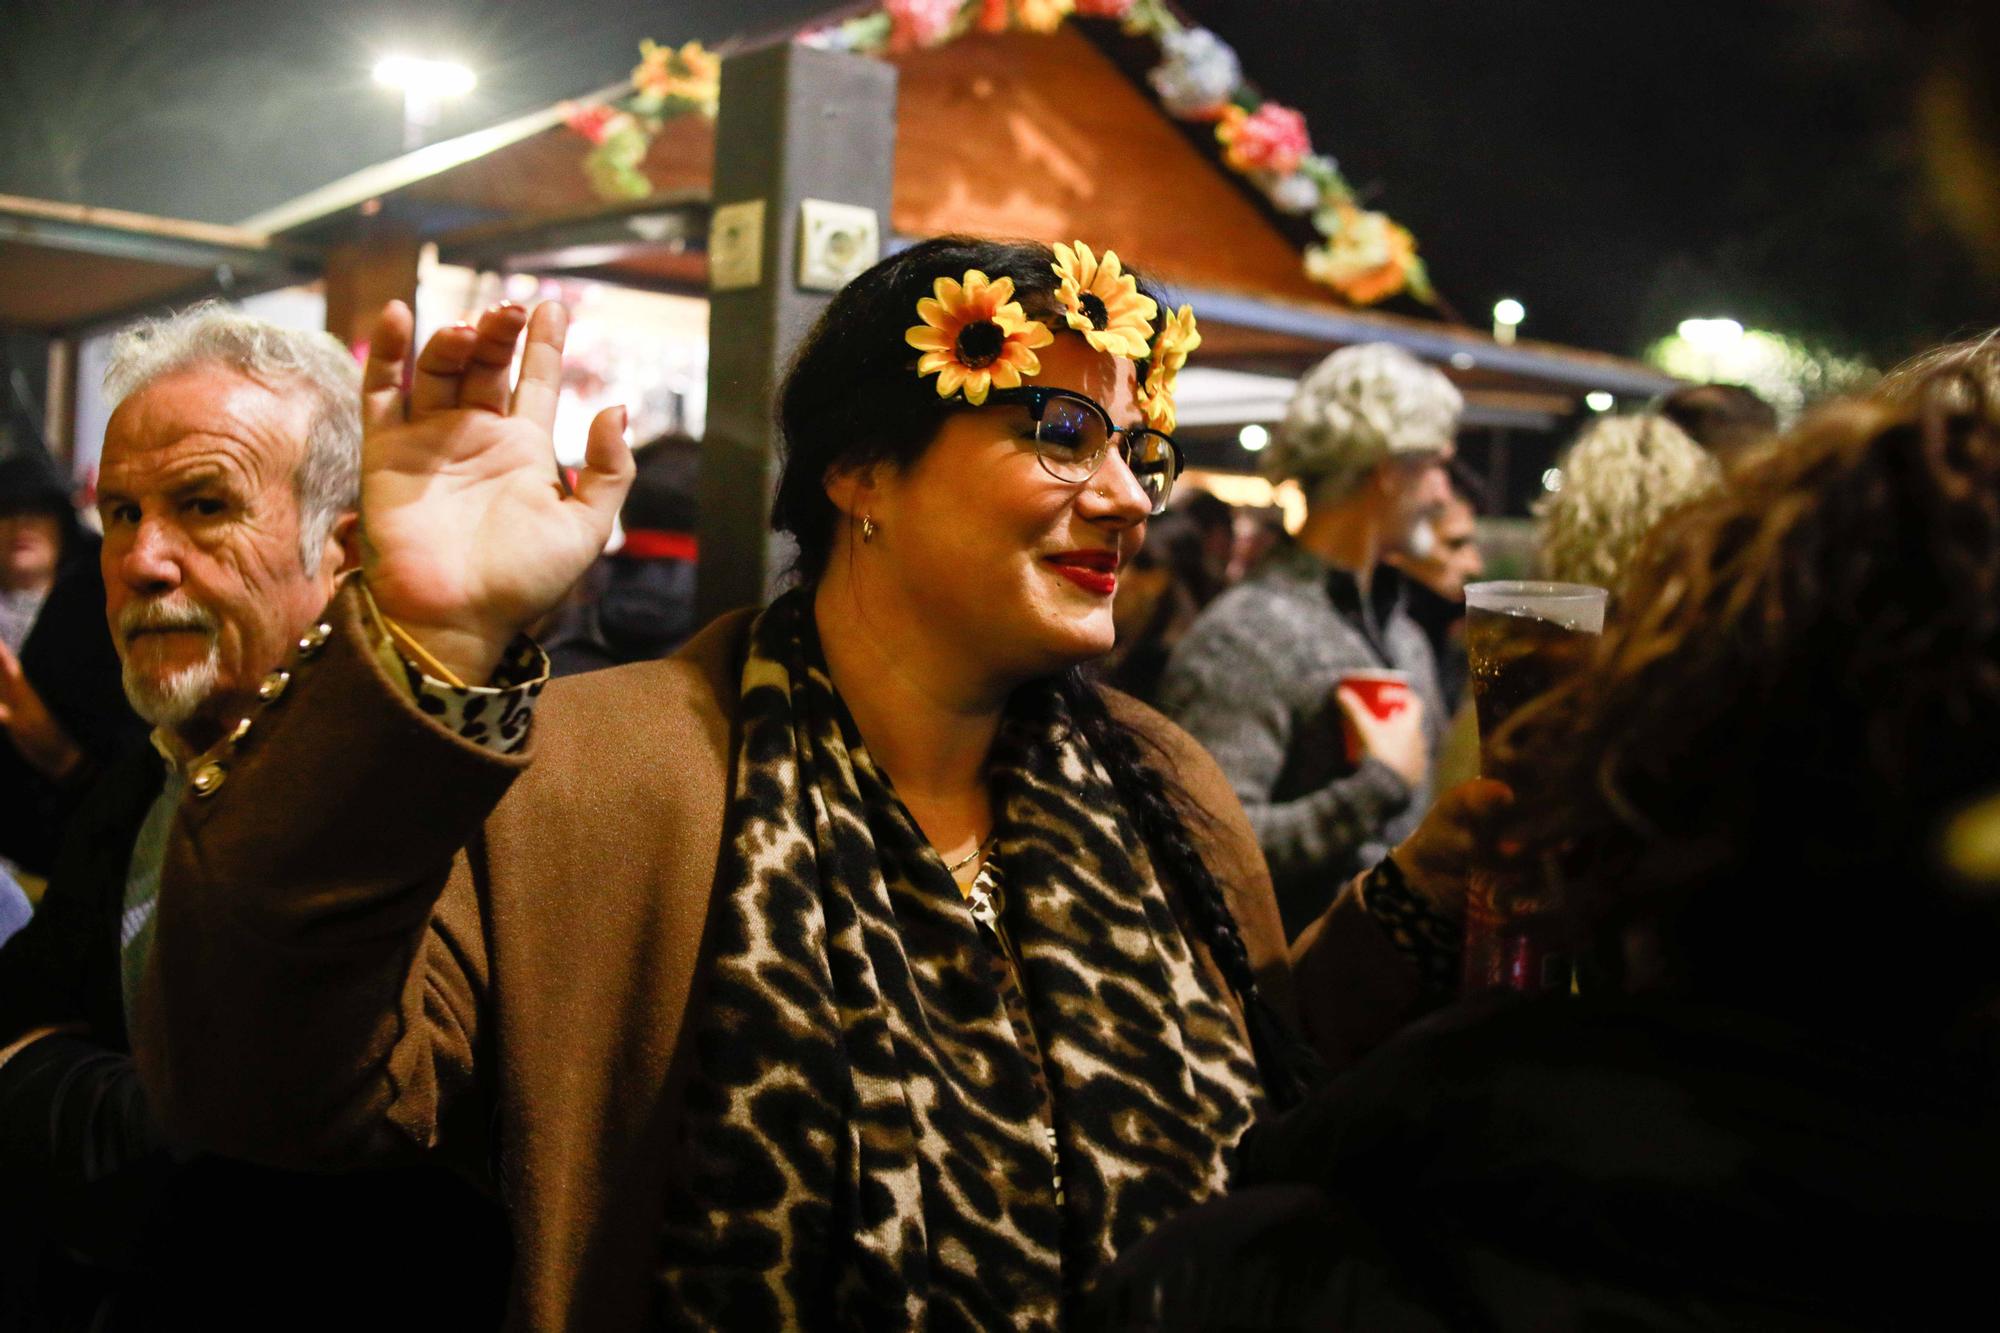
x,y
667,82
1364,256
975,337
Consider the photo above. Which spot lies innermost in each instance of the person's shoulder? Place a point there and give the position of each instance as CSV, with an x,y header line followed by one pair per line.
x,y
706,666
1259,613
123,790
1209,804
1182,759
687,697
1251,641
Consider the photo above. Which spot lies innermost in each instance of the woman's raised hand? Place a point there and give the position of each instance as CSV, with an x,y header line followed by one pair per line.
x,y
468,534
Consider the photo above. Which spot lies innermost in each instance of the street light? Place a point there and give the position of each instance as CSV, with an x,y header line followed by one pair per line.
x,y
1253,437
1507,316
1718,342
1711,335
425,85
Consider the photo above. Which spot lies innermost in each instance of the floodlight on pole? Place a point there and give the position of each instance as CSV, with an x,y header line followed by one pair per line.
x,y
426,85
1507,316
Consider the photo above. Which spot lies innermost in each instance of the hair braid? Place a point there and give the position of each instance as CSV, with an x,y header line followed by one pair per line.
x,y
1286,1064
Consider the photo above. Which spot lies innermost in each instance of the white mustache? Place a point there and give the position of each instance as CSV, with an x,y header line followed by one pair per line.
x,y
165,614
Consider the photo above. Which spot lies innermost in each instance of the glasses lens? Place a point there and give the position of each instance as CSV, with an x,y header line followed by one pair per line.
x,y
1155,464
1071,439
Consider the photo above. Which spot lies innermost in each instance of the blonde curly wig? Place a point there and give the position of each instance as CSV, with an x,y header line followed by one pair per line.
x,y
1353,410
1619,478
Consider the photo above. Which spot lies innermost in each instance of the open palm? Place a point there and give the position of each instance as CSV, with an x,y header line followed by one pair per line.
x,y
469,535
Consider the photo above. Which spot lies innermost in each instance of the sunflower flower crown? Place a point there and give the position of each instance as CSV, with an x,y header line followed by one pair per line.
x,y
975,337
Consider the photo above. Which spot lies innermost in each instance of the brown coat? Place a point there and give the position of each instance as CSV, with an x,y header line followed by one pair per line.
x,y
376,938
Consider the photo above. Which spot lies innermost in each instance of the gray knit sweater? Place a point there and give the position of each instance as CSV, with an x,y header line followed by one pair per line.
x,y
1253,680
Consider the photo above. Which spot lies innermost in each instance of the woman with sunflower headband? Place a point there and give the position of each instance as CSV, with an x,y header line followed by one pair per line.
x,y
887,973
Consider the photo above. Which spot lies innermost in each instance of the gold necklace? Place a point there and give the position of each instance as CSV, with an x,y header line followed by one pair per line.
x,y
971,856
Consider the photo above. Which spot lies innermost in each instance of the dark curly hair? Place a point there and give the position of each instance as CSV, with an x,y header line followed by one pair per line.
x,y
1804,684
853,398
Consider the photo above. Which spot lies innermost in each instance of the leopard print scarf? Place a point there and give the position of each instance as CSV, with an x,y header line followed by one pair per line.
x,y
865,1130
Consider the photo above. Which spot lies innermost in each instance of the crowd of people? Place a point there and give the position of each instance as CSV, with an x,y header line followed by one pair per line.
x,y
1030,918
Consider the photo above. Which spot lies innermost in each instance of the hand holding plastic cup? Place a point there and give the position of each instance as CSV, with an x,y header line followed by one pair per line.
x,y
1523,638
1383,693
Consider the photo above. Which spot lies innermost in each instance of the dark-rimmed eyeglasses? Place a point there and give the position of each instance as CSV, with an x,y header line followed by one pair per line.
x,y
1073,435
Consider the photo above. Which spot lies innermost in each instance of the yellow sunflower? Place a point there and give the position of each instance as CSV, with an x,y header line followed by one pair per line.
x,y
975,337
1178,337
1102,301
1042,16
689,73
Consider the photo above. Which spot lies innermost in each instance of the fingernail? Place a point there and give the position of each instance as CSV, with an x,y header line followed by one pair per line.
x,y
624,419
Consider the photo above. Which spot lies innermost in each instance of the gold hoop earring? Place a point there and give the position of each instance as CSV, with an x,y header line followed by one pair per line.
x,y
867,528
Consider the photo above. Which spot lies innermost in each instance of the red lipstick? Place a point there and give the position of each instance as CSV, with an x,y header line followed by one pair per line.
x,y
1095,570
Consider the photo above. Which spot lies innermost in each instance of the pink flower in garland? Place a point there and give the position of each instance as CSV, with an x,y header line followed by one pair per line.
x,y
1103,9
1273,138
919,23
592,122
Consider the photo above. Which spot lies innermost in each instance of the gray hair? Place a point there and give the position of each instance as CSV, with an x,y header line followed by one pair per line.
x,y
1618,480
328,481
1359,406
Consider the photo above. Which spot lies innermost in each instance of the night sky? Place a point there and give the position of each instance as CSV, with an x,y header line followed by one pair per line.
x,y
1615,167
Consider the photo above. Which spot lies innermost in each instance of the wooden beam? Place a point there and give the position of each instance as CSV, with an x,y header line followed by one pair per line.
x,y
77,224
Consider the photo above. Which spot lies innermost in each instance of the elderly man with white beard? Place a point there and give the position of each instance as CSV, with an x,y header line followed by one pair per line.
x,y
227,489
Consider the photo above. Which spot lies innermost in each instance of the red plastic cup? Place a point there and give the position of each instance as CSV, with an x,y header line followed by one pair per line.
x,y
1383,693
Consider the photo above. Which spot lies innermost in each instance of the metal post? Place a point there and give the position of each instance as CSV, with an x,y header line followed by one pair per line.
x,y
1499,484
59,401
795,124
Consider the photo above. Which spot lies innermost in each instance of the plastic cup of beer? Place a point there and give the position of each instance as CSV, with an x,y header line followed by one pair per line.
x,y
1383,693
1522,637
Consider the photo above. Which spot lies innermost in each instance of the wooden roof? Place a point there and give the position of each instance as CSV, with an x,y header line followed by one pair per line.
x,y
997,134
65,267
1023,135
1008,134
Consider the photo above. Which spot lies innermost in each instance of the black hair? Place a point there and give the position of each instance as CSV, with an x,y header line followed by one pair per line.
x,y
664,481
1721,418
1208,511
31,482
853,398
